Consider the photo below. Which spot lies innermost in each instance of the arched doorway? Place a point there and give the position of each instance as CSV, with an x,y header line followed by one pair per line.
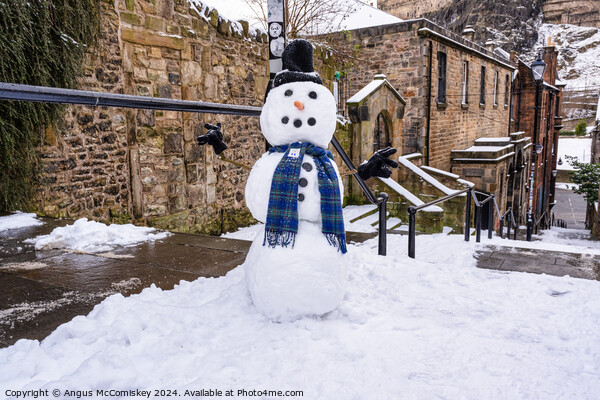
x,y
381,135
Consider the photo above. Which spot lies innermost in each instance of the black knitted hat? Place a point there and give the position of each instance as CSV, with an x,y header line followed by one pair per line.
x,y
297,64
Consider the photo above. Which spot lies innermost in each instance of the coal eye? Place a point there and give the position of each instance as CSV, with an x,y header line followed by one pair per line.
x,y
312,95
288,93
285,120
312,121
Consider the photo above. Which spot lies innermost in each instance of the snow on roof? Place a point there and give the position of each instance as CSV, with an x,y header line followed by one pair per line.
x,y
428,178
367,90
365,16
408,195
502,53
372,87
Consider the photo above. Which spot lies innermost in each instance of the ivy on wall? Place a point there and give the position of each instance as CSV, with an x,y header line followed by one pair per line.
x,y
42,42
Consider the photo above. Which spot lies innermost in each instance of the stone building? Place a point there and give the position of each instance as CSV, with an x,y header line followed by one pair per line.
x,y
122,165
549,123
456,93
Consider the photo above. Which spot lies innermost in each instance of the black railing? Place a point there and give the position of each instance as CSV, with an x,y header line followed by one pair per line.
x,y
509,217
543,222
412,212
559,223
380,201
13,91
18,92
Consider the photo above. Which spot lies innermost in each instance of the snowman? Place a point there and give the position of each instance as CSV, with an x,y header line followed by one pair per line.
x,y
297,264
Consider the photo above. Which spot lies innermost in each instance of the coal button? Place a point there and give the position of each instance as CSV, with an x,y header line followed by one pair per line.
x,y
307,167
300,197
303,182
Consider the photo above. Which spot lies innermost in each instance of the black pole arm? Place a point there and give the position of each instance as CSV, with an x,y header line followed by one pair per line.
x,y
18,92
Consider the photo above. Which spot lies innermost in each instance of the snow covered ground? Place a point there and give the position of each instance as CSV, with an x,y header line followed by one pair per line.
x,y
93,237
576,147
18,220
434,327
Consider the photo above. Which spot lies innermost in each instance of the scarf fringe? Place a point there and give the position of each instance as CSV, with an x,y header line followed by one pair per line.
x,y
338,241
276,237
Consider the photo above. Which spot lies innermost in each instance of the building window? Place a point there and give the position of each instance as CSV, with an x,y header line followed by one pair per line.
x,y
496,83
482,87
465,83
441,77
506,90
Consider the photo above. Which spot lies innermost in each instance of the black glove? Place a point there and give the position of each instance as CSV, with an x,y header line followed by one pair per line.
x,y
214,137
378,165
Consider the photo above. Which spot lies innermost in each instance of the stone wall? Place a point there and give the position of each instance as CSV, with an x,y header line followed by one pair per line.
x,y
142,165
576,12
410,9
401,52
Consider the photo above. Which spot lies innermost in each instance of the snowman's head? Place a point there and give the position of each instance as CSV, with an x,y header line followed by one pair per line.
x,y
299,112
299,108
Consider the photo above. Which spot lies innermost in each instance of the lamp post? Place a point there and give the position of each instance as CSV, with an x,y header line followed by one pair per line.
x,y
537,70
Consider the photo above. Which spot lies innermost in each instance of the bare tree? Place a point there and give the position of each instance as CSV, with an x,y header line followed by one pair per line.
x,y
308,17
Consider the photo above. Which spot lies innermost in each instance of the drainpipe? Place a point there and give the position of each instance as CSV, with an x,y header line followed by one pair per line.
x,y
429,102
510,107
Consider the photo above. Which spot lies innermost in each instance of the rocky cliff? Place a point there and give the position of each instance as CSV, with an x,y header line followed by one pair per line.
x,y
512,24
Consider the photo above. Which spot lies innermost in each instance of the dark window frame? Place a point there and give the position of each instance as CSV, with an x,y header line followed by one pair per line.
x,y
482,86
442,76
507,90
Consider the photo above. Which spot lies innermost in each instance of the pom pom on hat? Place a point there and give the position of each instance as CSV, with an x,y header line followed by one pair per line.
x,y
297,64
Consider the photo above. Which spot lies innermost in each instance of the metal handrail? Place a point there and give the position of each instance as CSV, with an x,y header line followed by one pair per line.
x,y
20,92
512,222
412,212
536,222
380,201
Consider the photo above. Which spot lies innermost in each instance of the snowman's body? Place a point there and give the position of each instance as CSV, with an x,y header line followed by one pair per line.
x,y
308,278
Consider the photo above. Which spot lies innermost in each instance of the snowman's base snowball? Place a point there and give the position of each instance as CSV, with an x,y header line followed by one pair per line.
x,y
288,283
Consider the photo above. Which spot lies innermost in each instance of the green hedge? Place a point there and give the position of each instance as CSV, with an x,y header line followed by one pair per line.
x,y
42,42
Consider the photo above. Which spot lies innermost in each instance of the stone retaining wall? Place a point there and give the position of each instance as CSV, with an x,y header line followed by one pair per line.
x,y
121,165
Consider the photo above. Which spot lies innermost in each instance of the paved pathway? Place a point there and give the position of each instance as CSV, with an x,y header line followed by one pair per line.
x,y
502,258
570,207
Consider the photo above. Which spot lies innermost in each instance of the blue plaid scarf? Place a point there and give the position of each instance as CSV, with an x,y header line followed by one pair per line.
x,y
282,215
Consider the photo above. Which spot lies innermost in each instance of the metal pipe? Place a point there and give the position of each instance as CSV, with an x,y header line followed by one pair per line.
x,y
365,188
501,229
429,90
411,231
508,226
18,92
441,199
491,217
383,198
478,224
468,216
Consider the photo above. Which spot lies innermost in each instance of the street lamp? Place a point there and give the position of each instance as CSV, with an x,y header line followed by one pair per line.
x,y
538,68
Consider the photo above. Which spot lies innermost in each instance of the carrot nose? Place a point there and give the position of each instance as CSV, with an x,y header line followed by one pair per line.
x,y
299,105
